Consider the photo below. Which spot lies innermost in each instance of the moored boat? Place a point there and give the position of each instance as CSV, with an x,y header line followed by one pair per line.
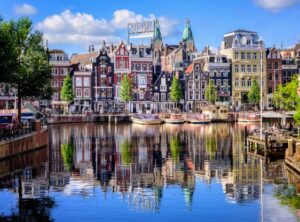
x,y
172,118
146,119
197,118
248,117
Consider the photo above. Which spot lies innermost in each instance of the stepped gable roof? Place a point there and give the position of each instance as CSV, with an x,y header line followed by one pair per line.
x,y
84,58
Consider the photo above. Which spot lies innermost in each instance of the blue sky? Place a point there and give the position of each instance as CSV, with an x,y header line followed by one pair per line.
x,y
74,24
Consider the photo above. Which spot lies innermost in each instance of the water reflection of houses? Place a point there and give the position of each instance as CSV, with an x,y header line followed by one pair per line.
x,y
26,174
242,184
138,163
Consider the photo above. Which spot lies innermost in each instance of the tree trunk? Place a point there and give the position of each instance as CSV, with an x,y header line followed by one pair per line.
x,y
19,105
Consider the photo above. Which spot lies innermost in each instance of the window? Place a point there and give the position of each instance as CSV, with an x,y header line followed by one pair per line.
x,y
86,92
236,68
163,97
156,97
249,82
269,65
243,82
248,55
119,78
197,95
203,84
86,81
191,96
242,55
142,81
62,83
225,74
275,65
55,96
54,83
254,68
236,55
121,64
78,81
54,71
225,82
218,74
219,82
63,71
243,68
254,55
270,76
248,68
236,82
141,95
163,85
109,92
78,93
248,42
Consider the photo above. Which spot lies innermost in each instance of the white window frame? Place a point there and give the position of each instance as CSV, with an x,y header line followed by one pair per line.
x,y
78,81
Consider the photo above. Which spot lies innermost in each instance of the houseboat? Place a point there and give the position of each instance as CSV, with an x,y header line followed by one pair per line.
x,y
216,113
146,119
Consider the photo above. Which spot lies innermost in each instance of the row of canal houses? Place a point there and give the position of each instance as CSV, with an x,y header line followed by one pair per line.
x,y
97,75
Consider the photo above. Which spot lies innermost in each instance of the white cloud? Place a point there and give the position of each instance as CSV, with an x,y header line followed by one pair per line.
x,y
79,28
83,29
24,9
276,5
122,17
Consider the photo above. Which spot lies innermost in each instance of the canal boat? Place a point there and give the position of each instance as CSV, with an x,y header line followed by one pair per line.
x,y
146,119
172,118
248,117
197,118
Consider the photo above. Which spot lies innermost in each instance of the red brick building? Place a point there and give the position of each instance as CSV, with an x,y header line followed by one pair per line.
x,y
274,73
121,59
60,69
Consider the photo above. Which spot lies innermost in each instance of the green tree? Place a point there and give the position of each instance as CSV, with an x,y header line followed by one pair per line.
x,y
176,92
67,91
67,151
126,89
210,92
126,152
176,148
27,66
254,93
286,97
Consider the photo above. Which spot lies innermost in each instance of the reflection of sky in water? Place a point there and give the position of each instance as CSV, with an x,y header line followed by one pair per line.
x,y
209,179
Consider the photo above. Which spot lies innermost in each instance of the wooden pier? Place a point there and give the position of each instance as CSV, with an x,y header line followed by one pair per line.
x,y
267,144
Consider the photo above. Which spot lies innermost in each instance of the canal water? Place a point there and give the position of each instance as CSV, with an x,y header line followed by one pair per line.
x,y
94,172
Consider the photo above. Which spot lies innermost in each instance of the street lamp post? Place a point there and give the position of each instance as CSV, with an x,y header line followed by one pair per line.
x,y
261,90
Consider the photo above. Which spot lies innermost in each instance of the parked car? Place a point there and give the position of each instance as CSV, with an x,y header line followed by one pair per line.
x,y
9,123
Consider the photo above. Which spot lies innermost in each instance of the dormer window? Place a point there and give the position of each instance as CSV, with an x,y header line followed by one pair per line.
x,y
248,42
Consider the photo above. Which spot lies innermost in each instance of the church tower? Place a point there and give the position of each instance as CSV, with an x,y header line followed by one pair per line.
x,y
157,47
188,38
